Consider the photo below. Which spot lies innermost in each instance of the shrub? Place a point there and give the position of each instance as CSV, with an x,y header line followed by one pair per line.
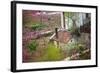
x,y
32,46
71,47
52,53
81,48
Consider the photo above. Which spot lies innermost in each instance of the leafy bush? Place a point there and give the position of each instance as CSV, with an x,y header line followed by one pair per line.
x,y
70,47
81,48
52,53
32,46
74,47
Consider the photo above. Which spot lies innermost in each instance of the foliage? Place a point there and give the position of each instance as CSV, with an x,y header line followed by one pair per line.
x,y
32,46
69,14
37,26
52,53
75,31
74,47
81,48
